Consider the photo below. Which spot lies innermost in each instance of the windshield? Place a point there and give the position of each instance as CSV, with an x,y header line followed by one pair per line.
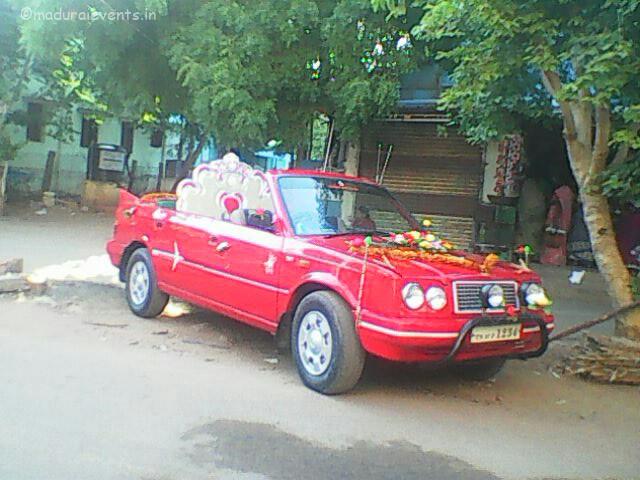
x,y
321,205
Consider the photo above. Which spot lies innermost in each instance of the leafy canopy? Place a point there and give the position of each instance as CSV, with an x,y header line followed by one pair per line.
x,y
496,51
243,70
260,70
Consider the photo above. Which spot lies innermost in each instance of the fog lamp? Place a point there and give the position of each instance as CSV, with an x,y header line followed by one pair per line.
x,y
535,295
492,296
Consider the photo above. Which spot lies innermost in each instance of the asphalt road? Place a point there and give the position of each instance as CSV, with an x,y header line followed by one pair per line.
x,y
89,391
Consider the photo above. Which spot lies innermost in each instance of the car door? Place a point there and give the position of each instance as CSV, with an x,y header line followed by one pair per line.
x,y
186,243
249,260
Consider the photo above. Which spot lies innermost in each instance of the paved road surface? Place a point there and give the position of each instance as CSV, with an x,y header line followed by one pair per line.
x,y
89,391
200,397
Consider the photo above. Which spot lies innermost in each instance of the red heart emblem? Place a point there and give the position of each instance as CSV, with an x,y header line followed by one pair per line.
x,y
231,204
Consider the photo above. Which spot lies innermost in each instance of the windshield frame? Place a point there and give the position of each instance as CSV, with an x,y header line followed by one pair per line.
x,y
415,225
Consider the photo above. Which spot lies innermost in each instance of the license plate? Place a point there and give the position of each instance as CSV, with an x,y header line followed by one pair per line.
x,y
499,333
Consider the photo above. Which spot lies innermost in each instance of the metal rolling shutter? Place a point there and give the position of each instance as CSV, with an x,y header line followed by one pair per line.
x,y
435,176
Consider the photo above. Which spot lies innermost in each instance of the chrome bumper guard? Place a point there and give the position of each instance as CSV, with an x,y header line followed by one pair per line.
x,y
493,321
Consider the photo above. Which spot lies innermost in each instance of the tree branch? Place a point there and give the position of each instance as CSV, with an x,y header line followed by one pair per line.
x,y
552,83
623,150
601,141
603,131
191,159
583,116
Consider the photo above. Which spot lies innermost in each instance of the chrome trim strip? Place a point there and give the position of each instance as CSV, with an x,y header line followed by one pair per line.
x,y
537,329
401,334
161,253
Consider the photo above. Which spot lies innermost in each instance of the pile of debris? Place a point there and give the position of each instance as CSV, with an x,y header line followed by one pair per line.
x,y
606,360
12,279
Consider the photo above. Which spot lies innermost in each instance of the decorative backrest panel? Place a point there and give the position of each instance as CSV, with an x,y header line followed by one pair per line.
x,y
224,188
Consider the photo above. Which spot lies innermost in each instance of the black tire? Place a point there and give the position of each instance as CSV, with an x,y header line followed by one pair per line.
x,y
347,356
479,370
154,301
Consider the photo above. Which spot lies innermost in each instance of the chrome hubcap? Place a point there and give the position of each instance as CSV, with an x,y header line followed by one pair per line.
x,y
315,344
139,283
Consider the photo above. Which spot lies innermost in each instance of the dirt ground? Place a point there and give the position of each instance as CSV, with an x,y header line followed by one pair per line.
x,y
88,390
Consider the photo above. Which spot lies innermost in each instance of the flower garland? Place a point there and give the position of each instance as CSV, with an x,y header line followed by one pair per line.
x,y
156,196
423,245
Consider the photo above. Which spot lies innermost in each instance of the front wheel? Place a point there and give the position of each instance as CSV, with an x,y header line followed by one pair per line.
x,y
325,345
144,297
479,369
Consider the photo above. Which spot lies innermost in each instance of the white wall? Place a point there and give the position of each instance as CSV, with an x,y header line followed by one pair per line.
x,y
490,166
27,169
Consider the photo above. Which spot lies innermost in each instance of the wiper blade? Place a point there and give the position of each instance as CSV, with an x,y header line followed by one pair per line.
x,y
356,232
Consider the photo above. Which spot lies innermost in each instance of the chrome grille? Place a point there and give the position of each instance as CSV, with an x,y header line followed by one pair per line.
x,y
467,295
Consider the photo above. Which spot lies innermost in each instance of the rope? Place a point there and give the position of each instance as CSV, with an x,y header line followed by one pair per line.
x,y
591,323
361,288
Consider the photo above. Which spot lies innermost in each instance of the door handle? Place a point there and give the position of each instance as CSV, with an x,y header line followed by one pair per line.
x,y
222,247
213,240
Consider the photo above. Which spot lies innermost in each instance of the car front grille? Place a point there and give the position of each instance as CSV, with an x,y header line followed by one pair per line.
x,y
467,295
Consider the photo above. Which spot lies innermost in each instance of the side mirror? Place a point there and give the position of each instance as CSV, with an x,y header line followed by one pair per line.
x,y
261,219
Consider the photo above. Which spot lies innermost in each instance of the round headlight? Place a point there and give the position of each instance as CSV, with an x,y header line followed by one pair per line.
x,y
494,296
533,293
413,295
436,298
536,296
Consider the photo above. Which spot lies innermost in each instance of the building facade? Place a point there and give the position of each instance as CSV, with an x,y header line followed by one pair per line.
x,y
26,171
463,188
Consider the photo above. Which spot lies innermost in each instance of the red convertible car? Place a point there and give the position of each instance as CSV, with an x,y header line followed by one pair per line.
x,y
333,262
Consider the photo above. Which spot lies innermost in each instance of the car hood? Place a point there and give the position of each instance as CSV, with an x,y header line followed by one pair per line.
x,y
418,268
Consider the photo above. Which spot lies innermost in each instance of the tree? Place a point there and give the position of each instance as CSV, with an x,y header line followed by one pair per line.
x,y
261,70
578,59
245,71
15,69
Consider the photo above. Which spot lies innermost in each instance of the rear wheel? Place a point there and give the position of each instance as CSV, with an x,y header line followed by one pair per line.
x,y
325,345
143,295
479,369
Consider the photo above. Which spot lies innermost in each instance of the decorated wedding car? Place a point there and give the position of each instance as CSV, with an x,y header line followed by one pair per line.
x,y
330,262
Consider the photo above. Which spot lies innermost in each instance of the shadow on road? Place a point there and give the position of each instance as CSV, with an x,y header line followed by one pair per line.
x,y
263,449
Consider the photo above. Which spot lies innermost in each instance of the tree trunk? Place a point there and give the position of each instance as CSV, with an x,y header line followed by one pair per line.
x,y
586,166
587,132
597,217
191,159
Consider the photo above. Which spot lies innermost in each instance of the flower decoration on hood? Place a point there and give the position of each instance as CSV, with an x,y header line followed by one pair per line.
x,y
423,244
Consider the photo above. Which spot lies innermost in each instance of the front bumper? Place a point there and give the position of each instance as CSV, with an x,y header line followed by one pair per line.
x,y
441,347
115,250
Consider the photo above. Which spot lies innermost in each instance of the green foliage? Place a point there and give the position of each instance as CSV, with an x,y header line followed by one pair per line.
x,y
261,70
99,64
635,285
622,182
320,135
14,73
246,71
496,51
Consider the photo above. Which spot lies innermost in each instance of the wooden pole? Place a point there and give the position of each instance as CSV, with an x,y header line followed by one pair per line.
x,y
4,170
48,171
325,164
386,163
378,162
